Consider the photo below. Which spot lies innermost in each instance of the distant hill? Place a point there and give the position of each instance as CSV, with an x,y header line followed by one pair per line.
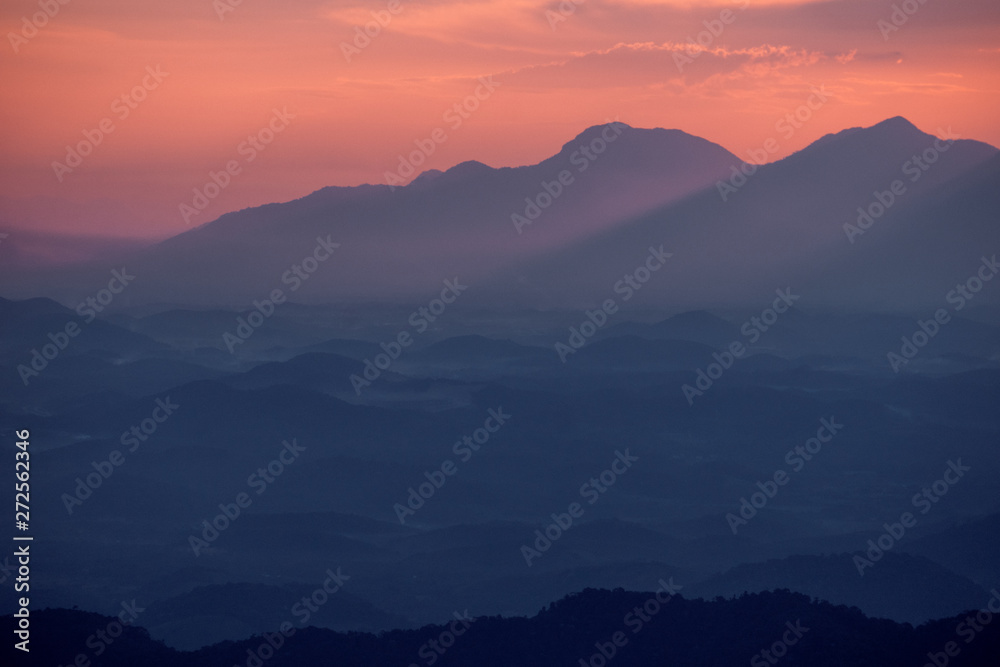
x,y
783,225
650,632
391,239
970,548
210,614
886,591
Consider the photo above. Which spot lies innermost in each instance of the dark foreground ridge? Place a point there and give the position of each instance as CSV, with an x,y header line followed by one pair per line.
x,y
595,627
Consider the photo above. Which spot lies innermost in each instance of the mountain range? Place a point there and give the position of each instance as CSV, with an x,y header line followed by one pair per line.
x,y
794,222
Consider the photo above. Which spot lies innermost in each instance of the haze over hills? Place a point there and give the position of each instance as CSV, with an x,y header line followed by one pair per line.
x,y
448,426
681,631
366,450
458,222
784,224
341,333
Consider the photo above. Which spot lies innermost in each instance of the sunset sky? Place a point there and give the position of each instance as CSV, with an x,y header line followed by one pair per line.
x,y
223,73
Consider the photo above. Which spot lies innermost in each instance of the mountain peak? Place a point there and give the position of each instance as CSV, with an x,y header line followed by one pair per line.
x,y
897,128
594,131
620,129
644,144
426,176
468,168
896,123
896,131
460,172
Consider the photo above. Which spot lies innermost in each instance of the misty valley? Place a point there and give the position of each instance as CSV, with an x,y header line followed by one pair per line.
x,y
371,426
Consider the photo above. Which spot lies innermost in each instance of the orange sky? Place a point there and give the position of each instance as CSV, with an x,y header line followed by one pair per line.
x,y
557,76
